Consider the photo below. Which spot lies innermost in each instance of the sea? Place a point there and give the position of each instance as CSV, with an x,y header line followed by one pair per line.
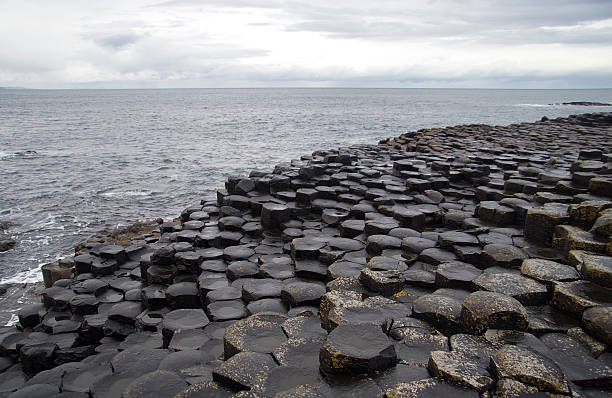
x,y
73,162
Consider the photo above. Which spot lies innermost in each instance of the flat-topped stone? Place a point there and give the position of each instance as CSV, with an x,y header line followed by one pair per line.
x,y
357,349
260,333
489,310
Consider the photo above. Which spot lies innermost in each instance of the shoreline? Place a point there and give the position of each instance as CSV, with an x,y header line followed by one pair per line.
x,y
434,240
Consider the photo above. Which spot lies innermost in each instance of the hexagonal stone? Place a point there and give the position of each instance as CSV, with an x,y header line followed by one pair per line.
x,y
456,274
540,223
226,310
357,349
207,389
343,268
125,311
300,351
386,283
525,290
503,256
37,391
36,357
183,319
597,321
224,294
441,309
183,295
575,297
603,225
280,269
546,319
243,370
270,305
345,244
415,347
32,314
242,269
304,326
306,248
456,368
158,383
256,289
416,244
113,252
597,269
273,215
576,361
311,269
429,388
456,238
285,378
488,310
547,272
601,186
372,311
528,367
568,237
260,333
302,292
138,359
352,228
237,253
437,256
190,339
380,226
161,275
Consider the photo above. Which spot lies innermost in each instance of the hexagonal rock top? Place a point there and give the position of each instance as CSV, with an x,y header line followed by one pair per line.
x,y
525,290
528,367
260,333
546,271
489,310
357,349
429,388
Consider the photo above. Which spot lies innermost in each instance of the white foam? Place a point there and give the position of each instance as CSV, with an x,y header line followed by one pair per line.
x,y
126,194
13,321
33,275
535,105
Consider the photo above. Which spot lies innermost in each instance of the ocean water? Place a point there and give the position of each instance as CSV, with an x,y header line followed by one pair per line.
x,y
73,162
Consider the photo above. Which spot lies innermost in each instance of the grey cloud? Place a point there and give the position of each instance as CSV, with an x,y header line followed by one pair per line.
x,y
496,21
118,40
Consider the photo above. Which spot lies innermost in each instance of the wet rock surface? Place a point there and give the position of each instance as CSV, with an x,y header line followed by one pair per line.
x,y
450,261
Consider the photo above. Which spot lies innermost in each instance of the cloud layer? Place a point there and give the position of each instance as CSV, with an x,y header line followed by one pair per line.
x,y
248,43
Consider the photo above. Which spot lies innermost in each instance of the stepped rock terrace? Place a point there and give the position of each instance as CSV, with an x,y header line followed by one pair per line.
x,y
463,261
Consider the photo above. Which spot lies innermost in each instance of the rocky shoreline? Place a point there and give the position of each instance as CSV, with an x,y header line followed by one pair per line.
x,y
463,261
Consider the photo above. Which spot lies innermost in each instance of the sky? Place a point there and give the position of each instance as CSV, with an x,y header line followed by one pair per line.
x,y
309,43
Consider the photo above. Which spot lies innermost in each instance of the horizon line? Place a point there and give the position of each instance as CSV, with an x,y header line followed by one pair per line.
x,y
297,87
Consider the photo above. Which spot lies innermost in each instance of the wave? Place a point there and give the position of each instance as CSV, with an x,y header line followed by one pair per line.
x,y
19,154
33,275
124,194
535,105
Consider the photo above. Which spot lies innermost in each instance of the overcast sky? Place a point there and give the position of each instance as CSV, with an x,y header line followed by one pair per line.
x,y
309,43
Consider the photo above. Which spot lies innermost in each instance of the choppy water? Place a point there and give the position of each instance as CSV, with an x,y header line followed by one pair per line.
x,y
106,157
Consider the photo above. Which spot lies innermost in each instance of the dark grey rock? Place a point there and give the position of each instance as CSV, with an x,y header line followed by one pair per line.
x,y
489,310
243,370
356,349
530,368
